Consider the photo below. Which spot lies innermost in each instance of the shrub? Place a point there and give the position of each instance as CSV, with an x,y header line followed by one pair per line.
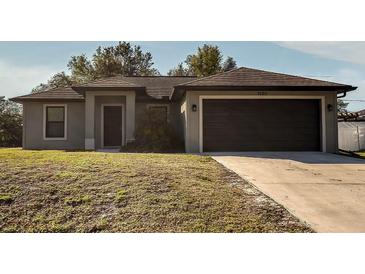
x,y
155,134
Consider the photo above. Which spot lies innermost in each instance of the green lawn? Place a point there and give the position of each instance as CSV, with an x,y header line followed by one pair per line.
x,y
57,191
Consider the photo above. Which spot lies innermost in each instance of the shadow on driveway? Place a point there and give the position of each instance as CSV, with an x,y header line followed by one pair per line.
x,y
303,157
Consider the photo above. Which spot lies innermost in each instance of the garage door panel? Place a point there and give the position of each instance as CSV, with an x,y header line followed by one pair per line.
x,y
234,125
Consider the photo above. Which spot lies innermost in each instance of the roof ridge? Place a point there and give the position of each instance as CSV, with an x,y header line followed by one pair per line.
x,y
123,78
157,76
103,79
260,70
208,77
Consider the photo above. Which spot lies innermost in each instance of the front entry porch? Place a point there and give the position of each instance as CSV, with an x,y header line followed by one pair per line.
x,y
109,119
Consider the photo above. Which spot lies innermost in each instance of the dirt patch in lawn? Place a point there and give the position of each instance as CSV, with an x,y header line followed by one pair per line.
x,y
57,191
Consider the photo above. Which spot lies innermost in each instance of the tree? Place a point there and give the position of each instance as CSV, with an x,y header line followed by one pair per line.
x,y
122,59
180,70
341,105
58,80
10,124
81,69
207,61
229,64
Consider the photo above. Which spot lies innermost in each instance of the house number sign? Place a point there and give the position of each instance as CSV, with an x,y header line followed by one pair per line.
x,y
262,93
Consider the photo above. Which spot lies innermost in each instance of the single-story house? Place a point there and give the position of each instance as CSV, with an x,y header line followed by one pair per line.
x,y
240,110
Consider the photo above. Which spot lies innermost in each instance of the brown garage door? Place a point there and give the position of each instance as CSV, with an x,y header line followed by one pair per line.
x,y
261,125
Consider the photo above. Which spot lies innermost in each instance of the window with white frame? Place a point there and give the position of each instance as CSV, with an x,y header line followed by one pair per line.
x,y
55,121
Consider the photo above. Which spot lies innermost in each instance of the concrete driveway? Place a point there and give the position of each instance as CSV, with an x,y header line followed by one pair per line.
x,y
325,190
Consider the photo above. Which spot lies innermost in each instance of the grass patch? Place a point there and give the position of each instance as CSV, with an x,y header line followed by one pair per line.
x,y
121,195
355,154
58,191
5,199
75,201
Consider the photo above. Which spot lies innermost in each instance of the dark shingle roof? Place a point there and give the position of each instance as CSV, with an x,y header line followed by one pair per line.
x,y
52,94
155,86
158,86
108,82
248,77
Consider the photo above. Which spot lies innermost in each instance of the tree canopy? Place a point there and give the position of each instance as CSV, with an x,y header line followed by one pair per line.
x,y
121,59
58,80
229,64
180,70
129,60
206,61
10,124
341,105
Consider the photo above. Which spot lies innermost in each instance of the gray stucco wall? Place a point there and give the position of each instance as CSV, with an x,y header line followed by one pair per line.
x,y
181,117
33,127
192,125
33,122
99,101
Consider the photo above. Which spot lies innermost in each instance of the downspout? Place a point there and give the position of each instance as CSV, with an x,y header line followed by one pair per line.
x,y
338,97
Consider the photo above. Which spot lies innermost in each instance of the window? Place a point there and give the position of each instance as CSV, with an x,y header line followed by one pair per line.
x,y
159,112
55,122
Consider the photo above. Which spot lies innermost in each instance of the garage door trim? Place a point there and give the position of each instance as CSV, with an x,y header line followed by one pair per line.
x,y
273,97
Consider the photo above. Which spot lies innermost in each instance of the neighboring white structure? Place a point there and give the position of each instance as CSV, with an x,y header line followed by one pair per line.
x,y
351,135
